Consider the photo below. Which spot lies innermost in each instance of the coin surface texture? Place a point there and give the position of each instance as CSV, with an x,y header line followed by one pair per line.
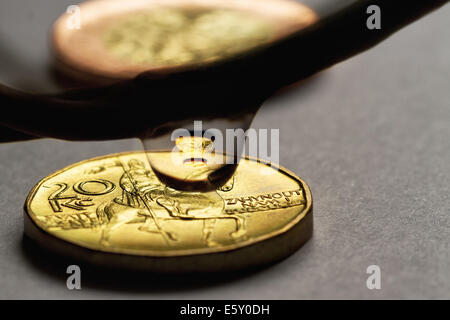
x,y
118,39
113,211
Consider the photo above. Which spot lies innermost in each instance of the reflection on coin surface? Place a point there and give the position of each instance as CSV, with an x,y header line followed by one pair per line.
x,y
118,39
113,211
165,37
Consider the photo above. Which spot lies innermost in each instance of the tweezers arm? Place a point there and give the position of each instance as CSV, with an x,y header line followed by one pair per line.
x,y
331,40
98,113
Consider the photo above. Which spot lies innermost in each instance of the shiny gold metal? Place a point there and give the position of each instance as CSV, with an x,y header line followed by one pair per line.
x,y
193,165
114,211
119,39
168,37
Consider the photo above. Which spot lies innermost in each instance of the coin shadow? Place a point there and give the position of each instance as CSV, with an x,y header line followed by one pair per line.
x,y
53,265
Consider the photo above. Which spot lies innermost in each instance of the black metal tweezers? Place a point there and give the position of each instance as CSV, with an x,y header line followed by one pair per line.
x,y
221,89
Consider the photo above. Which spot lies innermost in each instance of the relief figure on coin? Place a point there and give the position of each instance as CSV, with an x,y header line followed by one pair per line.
x,y
145,201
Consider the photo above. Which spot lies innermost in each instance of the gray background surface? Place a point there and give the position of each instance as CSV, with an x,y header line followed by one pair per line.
x,y
371,136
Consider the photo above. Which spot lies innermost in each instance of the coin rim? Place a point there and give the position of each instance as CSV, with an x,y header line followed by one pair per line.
x,y
178,253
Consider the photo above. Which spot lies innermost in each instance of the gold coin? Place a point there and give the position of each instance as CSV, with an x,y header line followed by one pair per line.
x,y
113,211
122,38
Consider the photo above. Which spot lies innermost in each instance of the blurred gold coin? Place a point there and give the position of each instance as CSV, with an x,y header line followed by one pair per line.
x,y
113,211
118,39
